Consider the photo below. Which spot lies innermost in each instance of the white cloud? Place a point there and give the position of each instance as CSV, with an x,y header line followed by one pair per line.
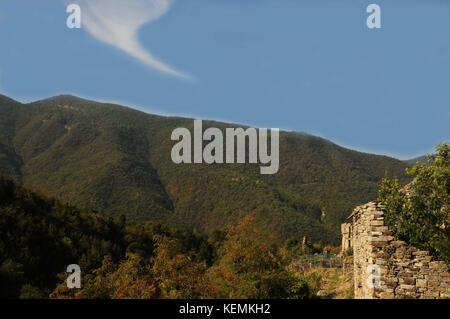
x,y
118,22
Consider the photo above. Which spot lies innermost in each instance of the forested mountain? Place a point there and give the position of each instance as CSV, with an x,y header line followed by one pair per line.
x,y
117,160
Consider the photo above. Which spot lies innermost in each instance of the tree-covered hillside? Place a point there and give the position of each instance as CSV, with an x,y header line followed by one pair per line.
x,y
40,237
117,160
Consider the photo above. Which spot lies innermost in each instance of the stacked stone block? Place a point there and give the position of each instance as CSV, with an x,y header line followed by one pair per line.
x,y
386,268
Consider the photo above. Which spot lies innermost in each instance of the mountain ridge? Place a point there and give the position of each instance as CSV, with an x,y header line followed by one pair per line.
x,y
116,159
420,159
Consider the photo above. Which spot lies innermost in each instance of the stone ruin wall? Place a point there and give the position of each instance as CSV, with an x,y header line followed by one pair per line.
x,y
386,268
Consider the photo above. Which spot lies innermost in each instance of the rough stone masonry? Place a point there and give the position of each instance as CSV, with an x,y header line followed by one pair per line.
x,y
403,271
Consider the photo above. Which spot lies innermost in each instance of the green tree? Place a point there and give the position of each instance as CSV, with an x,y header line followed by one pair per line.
x,y
420,212
130,279
249,266
177,273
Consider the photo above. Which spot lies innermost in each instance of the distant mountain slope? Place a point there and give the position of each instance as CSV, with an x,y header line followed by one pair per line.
x,y
421,159
115,159
10,162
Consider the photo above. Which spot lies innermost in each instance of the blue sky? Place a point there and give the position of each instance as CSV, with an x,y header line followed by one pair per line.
x,y
305,65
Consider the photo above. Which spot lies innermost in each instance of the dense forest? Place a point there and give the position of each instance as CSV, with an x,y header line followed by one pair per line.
x,y
116,160
40,237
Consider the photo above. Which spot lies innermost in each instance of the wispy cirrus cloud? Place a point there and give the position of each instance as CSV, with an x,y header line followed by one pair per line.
x,y
118,22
